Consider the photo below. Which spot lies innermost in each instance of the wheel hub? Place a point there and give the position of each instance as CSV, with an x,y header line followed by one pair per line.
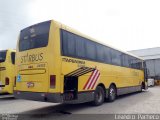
x,y
112,93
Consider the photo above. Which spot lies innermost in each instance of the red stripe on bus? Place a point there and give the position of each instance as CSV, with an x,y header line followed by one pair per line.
x,y
95,81
88,80
92,79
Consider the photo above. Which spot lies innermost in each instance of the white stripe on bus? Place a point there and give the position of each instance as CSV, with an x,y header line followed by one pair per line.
x,y
91,79
94,80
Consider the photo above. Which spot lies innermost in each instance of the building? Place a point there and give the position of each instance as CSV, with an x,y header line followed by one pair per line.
x,y
152,58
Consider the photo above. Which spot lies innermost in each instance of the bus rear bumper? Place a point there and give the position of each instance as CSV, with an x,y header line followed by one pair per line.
x,y
37,96
54,97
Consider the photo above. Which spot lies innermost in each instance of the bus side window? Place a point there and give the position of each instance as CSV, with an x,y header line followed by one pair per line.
x,y
80,47
107,55
90,50
100,53
116,57
13,57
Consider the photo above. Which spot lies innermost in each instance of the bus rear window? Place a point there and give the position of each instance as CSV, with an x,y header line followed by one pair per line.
x,y
35,36
3,56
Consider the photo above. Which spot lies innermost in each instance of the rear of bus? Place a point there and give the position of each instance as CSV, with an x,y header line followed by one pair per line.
x,y
38,63
7,71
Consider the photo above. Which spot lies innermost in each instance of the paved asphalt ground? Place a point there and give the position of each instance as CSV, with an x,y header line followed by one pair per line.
x,y
146,102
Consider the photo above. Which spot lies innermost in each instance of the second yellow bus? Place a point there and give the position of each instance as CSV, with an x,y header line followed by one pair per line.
x,y
7,71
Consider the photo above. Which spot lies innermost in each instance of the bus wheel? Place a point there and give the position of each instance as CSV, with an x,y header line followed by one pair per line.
x,y
98,96
142,86
112,93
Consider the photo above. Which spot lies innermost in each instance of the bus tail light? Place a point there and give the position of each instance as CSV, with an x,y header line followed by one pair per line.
x,y
7,81
15,81
52,81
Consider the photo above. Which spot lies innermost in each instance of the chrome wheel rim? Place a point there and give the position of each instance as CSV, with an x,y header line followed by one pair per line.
x,y
112,93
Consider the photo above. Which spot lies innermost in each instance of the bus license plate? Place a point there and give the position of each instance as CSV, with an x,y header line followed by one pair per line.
x,y
30,84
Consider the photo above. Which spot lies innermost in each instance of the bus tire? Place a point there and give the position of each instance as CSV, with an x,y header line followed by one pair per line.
x,y
112,93
98,96
142,86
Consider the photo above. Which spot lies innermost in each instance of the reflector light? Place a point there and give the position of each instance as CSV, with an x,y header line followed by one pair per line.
x,y
7,81
52,81
15,81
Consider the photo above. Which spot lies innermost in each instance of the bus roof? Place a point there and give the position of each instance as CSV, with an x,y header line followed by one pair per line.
x,y
63,26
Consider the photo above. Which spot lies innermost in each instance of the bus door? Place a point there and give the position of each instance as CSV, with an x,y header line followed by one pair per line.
x,y
70,87
71,82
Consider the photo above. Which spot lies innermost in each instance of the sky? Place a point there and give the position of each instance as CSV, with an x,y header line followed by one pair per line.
x,y
124,24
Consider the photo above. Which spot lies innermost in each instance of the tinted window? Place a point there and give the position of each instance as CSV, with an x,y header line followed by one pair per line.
x,y
135,63
80,47
125,60
107,54
116,57
139,64
68,44
90,50
71,44
3,56
35,36
64,42
131,62
76,46
100,52
13,57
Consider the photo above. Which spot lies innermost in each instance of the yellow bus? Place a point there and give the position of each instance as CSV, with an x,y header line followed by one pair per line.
x,y
56,63
7,71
